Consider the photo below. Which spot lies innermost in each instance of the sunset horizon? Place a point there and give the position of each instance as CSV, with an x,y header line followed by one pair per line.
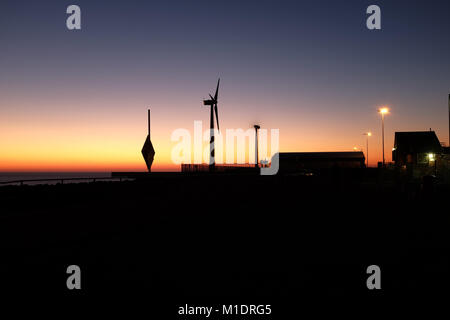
x,y
239,159
62,111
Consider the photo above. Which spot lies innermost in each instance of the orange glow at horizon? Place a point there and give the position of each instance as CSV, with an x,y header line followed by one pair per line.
x,y
78,100
103,136
97,148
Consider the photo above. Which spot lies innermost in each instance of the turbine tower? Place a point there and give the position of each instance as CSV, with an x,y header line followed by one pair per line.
x,y
213,103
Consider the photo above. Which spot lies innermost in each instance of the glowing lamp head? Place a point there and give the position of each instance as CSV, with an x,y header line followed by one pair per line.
x,y
431,156
383,110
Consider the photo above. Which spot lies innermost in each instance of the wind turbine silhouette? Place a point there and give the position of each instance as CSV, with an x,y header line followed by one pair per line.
x,y
213,103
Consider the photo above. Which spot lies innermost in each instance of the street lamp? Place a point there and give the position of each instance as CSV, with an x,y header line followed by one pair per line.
x,y
383,111
367,134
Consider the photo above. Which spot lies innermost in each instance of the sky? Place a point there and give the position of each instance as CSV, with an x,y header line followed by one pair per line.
x,y
77,100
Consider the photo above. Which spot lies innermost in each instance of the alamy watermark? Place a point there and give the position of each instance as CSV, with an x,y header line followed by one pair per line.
x,y
374,280
74,278
373,22
73,21
235,146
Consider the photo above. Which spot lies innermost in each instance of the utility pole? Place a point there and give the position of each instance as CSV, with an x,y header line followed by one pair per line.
x,y
383,111
367,134
382,128
148,123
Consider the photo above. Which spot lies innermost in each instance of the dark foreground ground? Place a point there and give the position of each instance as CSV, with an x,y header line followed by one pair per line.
x,y
172,240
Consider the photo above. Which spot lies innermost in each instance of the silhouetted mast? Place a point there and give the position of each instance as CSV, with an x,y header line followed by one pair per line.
x,y
148,152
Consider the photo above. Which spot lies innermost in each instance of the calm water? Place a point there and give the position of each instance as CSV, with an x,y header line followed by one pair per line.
x,y
10,176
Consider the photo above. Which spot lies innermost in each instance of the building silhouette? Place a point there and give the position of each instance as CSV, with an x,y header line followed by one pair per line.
x,y
417,148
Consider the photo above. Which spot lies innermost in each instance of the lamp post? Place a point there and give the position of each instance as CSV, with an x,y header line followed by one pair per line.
x,y
383,111
367,134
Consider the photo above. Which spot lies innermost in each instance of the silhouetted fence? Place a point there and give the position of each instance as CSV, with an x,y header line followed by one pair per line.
x,y
218,167
61,180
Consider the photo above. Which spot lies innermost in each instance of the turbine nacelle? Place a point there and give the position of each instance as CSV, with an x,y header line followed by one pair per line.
x,y
209,102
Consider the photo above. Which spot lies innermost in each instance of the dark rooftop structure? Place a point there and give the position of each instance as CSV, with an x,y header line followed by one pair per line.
x,y
292,162
295,161
415,147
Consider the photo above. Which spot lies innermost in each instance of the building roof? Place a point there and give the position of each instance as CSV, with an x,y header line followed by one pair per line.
x,y
346,155
417,142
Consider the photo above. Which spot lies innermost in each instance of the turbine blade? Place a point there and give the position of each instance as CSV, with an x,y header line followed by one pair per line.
x,y
217,116
217,90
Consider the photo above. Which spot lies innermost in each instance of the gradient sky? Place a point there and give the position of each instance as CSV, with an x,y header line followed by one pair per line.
x,y
77,100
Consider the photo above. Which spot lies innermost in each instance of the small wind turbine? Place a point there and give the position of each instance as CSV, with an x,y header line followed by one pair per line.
x,y
257,127
213,103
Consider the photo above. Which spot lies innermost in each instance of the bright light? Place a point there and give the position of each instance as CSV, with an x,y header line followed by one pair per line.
x,y
383,110
431,156
369,134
